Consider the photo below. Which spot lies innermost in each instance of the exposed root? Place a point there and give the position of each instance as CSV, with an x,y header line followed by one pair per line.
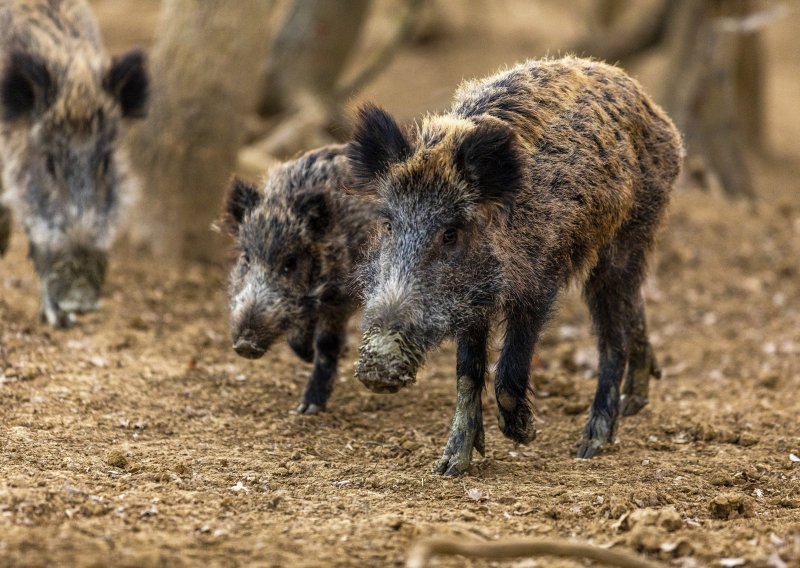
x,y
421,552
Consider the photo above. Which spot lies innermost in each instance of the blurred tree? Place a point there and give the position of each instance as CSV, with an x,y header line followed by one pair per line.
x,y
302,84
203,64
714,87
621,29
714,84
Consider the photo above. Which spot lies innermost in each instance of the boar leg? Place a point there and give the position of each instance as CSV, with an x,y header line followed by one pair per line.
x,y
328,343
512,389
466,431
302,341
642,365
613,293
5,228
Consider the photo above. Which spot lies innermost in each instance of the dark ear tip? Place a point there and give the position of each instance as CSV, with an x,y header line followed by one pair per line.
x,y
127,79
238,183
242,196
26,85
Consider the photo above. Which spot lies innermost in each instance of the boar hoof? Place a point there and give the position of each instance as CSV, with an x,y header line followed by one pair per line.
x,y
631,404
57,318
589,448
309,408
458,452
517,425
599,431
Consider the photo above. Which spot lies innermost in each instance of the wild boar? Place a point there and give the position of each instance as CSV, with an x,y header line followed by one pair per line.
x,y
298,239
63,105
549,172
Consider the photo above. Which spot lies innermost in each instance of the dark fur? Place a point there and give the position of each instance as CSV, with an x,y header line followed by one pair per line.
x,y
298,239
550,172
61,109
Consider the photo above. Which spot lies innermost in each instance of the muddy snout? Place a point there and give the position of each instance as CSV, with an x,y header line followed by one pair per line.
x,y
63,298
387,361
248,349
252,341
80,298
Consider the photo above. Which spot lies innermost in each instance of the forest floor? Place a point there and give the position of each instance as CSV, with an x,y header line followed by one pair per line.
x,y
138,438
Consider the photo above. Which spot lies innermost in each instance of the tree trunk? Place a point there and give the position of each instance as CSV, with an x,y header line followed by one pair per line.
x,y
204,66
310,52
707,93
619,31
303,83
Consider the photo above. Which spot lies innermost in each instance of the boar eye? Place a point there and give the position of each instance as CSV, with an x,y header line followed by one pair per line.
x,y
450,236
50,164
246,259
289,264
387,226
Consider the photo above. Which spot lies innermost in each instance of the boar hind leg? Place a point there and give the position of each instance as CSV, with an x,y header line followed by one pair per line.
x,y
642,365
328,343
613,294
5,228
466,431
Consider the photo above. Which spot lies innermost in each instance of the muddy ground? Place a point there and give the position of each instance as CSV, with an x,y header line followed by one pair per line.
x,y
138,438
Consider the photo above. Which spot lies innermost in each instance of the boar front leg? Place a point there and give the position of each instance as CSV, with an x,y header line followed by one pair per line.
x,y
512,389
5,228
466,431
328,343
302,341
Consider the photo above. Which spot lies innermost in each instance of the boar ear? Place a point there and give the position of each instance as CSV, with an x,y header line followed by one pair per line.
x,y
489,160
378,142
242,197
26,86
312,206
128,82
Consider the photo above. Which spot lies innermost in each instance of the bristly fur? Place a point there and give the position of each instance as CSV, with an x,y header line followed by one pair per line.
x,y
545,173
62,104
298,239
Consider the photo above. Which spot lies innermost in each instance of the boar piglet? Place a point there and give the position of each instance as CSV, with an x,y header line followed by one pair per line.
x,y
62,108
549,172
298,238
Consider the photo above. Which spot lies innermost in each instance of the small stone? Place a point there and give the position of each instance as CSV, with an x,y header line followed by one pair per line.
x,y
720,479
574,407
731,506
669,519
747,439
115,458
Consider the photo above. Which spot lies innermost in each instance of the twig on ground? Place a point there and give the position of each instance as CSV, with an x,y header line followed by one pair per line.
x,y
421,553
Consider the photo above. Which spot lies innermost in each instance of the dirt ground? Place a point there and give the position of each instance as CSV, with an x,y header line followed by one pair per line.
x,y
139,438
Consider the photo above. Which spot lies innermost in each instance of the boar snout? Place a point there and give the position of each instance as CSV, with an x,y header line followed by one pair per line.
x,y
246,346
80,298
252,340
387,361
